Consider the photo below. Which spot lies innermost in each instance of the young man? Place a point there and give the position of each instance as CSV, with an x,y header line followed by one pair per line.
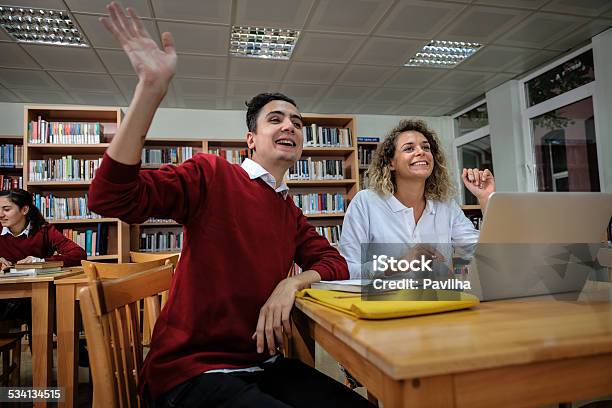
x,y
216,340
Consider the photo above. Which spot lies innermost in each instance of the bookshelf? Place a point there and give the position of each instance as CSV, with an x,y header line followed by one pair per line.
x,y
62,147
365,152
162,235
11,162
233,150
326,177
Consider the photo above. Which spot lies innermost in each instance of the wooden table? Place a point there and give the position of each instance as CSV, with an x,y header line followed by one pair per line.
x,y
67,295
520,352
40,290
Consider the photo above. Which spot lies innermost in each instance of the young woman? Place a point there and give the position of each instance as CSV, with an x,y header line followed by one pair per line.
x,y
27,237
409,198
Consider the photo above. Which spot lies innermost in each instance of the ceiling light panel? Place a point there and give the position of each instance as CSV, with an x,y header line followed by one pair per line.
x,y
40,26
443,54
262,42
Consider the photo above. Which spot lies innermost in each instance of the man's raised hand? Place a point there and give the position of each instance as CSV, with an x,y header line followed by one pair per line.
x,y
155,67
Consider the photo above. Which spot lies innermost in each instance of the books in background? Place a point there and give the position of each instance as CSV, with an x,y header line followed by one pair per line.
x,y
364,180
162,220
161,241
365,155
332,233
42,131
66,168
321,169
320,203
8,182
63,208
93,240
11,155
235,156
166,155
319,136
368,139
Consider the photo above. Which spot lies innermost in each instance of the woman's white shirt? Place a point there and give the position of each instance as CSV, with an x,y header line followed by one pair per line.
x,y
375,219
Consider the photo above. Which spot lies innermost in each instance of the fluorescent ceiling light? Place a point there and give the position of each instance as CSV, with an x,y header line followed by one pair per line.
x,y
443,54
41,26
262,42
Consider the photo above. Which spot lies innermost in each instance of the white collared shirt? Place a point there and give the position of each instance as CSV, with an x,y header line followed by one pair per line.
x,y
255,170
26,231
372,218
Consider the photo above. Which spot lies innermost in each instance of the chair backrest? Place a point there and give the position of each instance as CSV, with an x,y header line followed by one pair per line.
x,y
110,317
152,256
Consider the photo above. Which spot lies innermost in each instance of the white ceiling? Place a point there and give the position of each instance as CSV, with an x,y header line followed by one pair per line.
x,y
349,58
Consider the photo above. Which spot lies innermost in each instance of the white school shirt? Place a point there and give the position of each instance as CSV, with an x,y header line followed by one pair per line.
x,y
372,218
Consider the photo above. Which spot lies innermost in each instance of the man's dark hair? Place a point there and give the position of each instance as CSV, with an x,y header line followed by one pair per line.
x,y
258,102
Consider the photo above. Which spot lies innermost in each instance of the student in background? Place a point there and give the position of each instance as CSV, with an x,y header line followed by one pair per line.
x,y
216,342
26,237
410,198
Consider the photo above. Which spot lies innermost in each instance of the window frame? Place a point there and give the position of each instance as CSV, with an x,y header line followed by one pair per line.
x,y
469,137
559,101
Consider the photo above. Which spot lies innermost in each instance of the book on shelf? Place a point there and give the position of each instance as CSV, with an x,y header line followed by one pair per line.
x,y
8,182
93,240
319,136
368,139
235,156
41,131
166,155
365,155
66,168
11,155
63,208
161,241
317,169
331,232
320,203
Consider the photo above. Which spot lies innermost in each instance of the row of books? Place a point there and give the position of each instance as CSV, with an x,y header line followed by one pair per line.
x,y
42,131
161,220
11,155
63,208
320,203
93,241
318,136
365,155
310,169
161,241
166,155
8,182
235,156
332,233
364,180
65,169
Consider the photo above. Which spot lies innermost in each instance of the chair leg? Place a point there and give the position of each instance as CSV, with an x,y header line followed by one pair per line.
x,y
371,398
16,375
6,367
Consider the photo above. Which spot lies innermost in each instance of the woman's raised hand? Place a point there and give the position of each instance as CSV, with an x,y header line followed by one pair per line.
x,y
480,182
155,67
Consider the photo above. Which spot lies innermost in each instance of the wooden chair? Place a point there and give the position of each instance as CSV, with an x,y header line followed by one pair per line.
x,y
10,352
152,307
110,310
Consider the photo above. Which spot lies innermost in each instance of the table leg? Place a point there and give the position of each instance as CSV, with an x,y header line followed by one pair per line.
x,y
43,309
67,343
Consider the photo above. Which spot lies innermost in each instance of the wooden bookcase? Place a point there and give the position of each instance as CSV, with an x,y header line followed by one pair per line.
x,y
11,170
172,151
109,118
365,150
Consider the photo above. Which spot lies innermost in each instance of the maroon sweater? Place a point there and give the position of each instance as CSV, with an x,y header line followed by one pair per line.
x,y
44,243
241,238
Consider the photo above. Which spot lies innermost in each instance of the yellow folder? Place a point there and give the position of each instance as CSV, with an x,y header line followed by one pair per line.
x,y
387,307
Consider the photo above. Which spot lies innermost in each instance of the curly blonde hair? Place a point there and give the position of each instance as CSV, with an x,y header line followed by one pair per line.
x,y
382,179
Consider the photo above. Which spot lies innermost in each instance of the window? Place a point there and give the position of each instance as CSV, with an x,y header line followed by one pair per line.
x,y
559,124
472,144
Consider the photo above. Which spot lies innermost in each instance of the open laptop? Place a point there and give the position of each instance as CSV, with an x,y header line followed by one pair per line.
x,y
538,243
